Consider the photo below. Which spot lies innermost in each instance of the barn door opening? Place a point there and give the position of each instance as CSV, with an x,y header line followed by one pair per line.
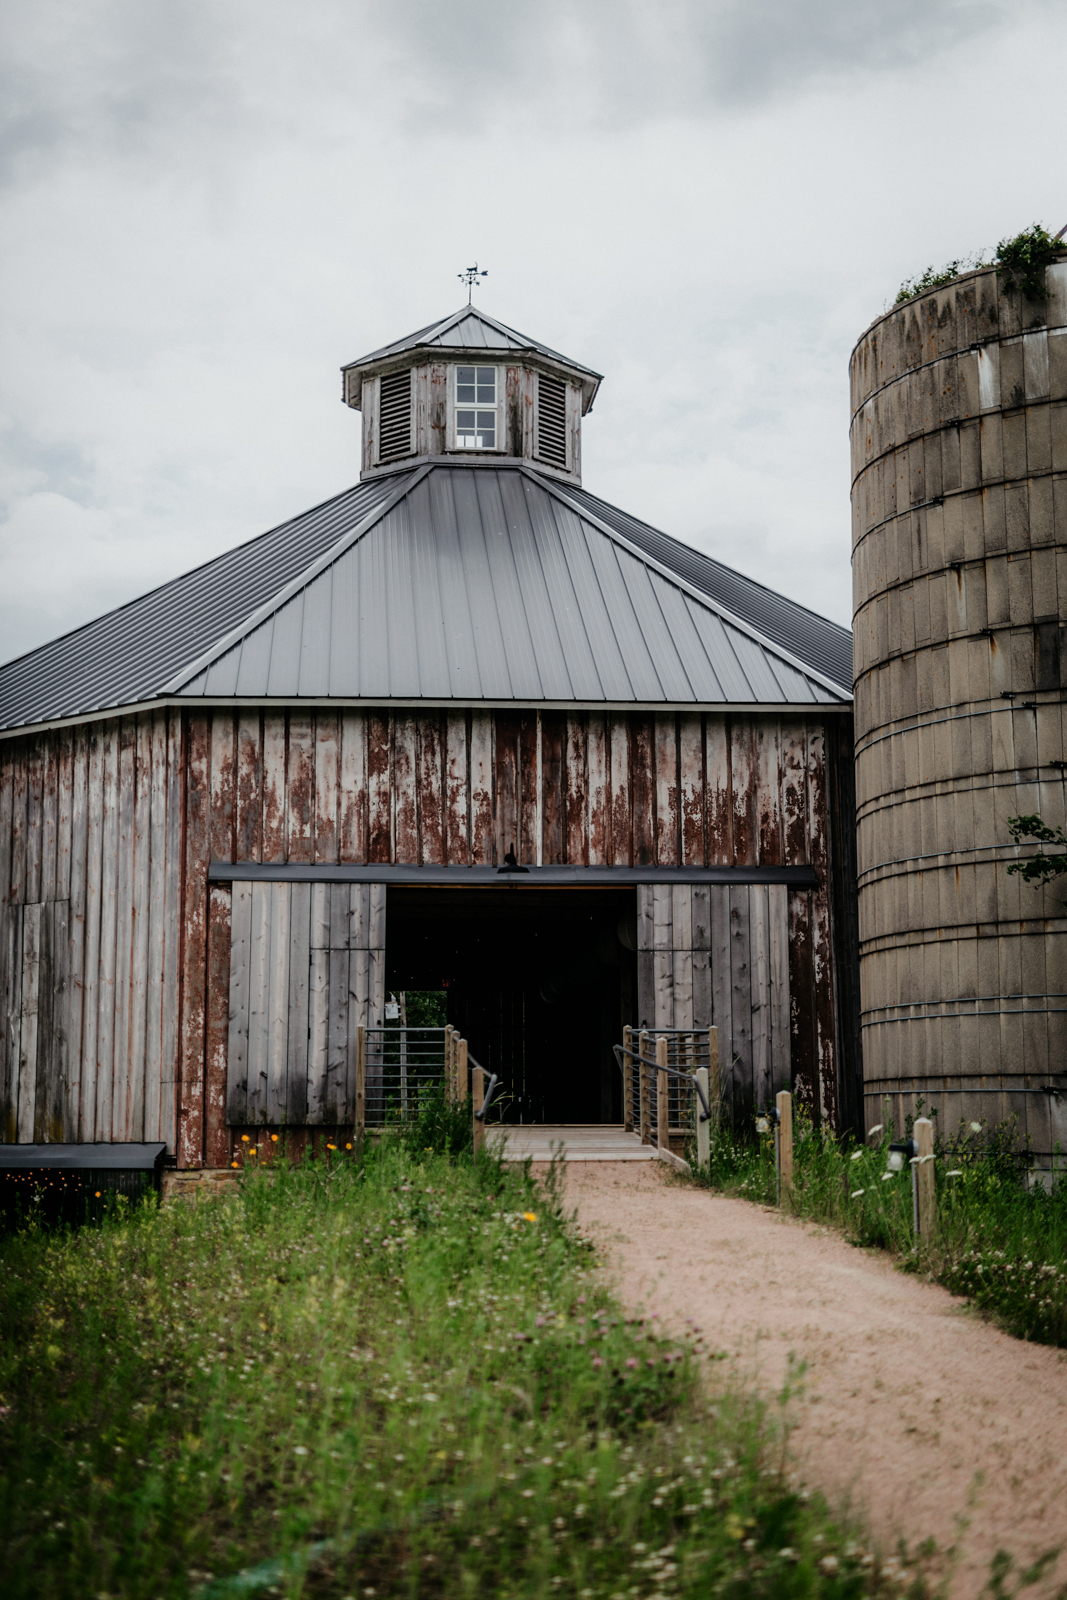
x,y
715,953
307,966
539,981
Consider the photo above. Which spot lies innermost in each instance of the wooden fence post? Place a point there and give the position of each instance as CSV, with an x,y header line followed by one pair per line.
x,y
714,1090
784,1102
478,1085
662,1096
361,1082
702,1076
462,1081
924,1176
450,1088
627,1080
643,1096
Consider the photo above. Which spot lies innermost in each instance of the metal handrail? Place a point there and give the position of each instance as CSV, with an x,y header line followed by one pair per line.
x,y
689,1077
490,1089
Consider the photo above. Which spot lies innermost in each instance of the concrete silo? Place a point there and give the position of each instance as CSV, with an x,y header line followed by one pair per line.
x,y
959,516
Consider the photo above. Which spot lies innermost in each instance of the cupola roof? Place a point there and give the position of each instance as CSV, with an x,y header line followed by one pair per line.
x,y
469,330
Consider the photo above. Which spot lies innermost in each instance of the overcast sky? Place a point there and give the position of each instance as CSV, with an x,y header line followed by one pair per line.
x,y
209,205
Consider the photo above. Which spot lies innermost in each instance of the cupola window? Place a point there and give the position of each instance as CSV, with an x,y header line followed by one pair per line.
x,y
476,408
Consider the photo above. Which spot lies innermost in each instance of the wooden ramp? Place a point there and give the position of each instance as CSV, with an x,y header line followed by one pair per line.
x,y
592,1141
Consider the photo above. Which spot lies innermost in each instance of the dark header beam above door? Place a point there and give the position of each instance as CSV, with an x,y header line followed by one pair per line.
x,y
502,877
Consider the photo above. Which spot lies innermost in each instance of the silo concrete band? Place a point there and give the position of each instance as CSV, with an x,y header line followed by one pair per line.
x,y
959,517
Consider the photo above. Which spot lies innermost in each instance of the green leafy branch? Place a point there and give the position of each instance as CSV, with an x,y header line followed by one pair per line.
x,y
1042,867
1020,264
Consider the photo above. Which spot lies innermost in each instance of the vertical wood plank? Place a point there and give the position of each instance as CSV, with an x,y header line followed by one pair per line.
x,y
336,1106
642,790
216,1133
8,914
506,829
682,953
553,804
93,884
667,807
274,1082
34,819
64,742
621,821
718,797
105,1005
430,790
239,998
598,789
802,1054
327,785
481,789
274,804
691,788
703,1004
194,952
353,840
124,799
248,826
79,826
49,833
300,789
19,785
173,943
778,907
11,919
259,972
40,1086
529,789
768,792
822,937
743,783
30,960
794,789
760,967
54,1067
136,1055
741,1001
721,977
318,1002
576,791
457,831
289,1090
405,781
663,946
646,963
379,804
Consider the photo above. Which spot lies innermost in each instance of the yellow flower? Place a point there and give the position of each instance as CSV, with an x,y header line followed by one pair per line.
x,y
244,1138
331,1147
530,1216
234,1163
348,1147
98,1194
274,1138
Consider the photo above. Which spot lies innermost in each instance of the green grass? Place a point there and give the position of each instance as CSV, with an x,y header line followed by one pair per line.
x,y
391,1375
997,1243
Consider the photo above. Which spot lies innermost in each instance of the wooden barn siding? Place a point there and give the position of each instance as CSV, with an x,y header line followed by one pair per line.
x,y
90,923
112,825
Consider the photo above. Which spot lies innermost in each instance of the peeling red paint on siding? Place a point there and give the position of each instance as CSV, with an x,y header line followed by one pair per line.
x,y
576,792
379,806
430,790
406,848
667,807
642,789
552,744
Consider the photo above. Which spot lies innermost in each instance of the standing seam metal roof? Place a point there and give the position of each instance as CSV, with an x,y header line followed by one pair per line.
x,y
446,582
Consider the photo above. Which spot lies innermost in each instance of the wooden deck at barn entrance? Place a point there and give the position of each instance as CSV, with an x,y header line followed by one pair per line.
x,y
581,1141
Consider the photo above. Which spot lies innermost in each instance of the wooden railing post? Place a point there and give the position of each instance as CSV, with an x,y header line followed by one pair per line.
x,y
361,1083
784,1102
478,1097
703,1128
714,1089
627,1079
462,1080
924,1176
643,1097
662,1096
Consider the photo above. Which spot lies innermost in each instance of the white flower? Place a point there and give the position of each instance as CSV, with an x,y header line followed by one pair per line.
x,y
300,1451
856,1155
957,1172
856,1194
976,1127
887,1175
876,1129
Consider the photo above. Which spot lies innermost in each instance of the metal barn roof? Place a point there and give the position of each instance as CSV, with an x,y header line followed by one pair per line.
x,y
466,583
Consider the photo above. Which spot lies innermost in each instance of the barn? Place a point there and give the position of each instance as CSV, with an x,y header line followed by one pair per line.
x,y
463,727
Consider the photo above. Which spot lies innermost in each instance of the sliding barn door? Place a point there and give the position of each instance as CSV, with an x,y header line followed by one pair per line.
x,y
307,966
715,954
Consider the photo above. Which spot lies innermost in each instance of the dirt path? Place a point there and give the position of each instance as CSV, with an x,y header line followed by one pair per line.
x,y
914,1410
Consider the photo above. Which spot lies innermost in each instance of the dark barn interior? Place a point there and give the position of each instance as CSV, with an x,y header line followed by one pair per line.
x,y
539,981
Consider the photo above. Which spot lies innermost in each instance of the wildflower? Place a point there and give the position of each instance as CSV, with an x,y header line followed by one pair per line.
x,y
631,1361
348,1147
976,1127
856,1155
597,1362
870,1134
957,1172
244,1138
300,1450
235,1163
856,1194
98,1191
829,1564
274,1138
887,1175
331,1146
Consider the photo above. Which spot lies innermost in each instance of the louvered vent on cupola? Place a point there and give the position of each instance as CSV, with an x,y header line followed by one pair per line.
x,y
552,420
394,416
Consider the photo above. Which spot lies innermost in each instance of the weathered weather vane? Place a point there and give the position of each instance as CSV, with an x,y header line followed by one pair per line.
x,y
470,278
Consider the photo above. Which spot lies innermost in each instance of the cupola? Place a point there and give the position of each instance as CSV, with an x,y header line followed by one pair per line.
x,y
470,389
